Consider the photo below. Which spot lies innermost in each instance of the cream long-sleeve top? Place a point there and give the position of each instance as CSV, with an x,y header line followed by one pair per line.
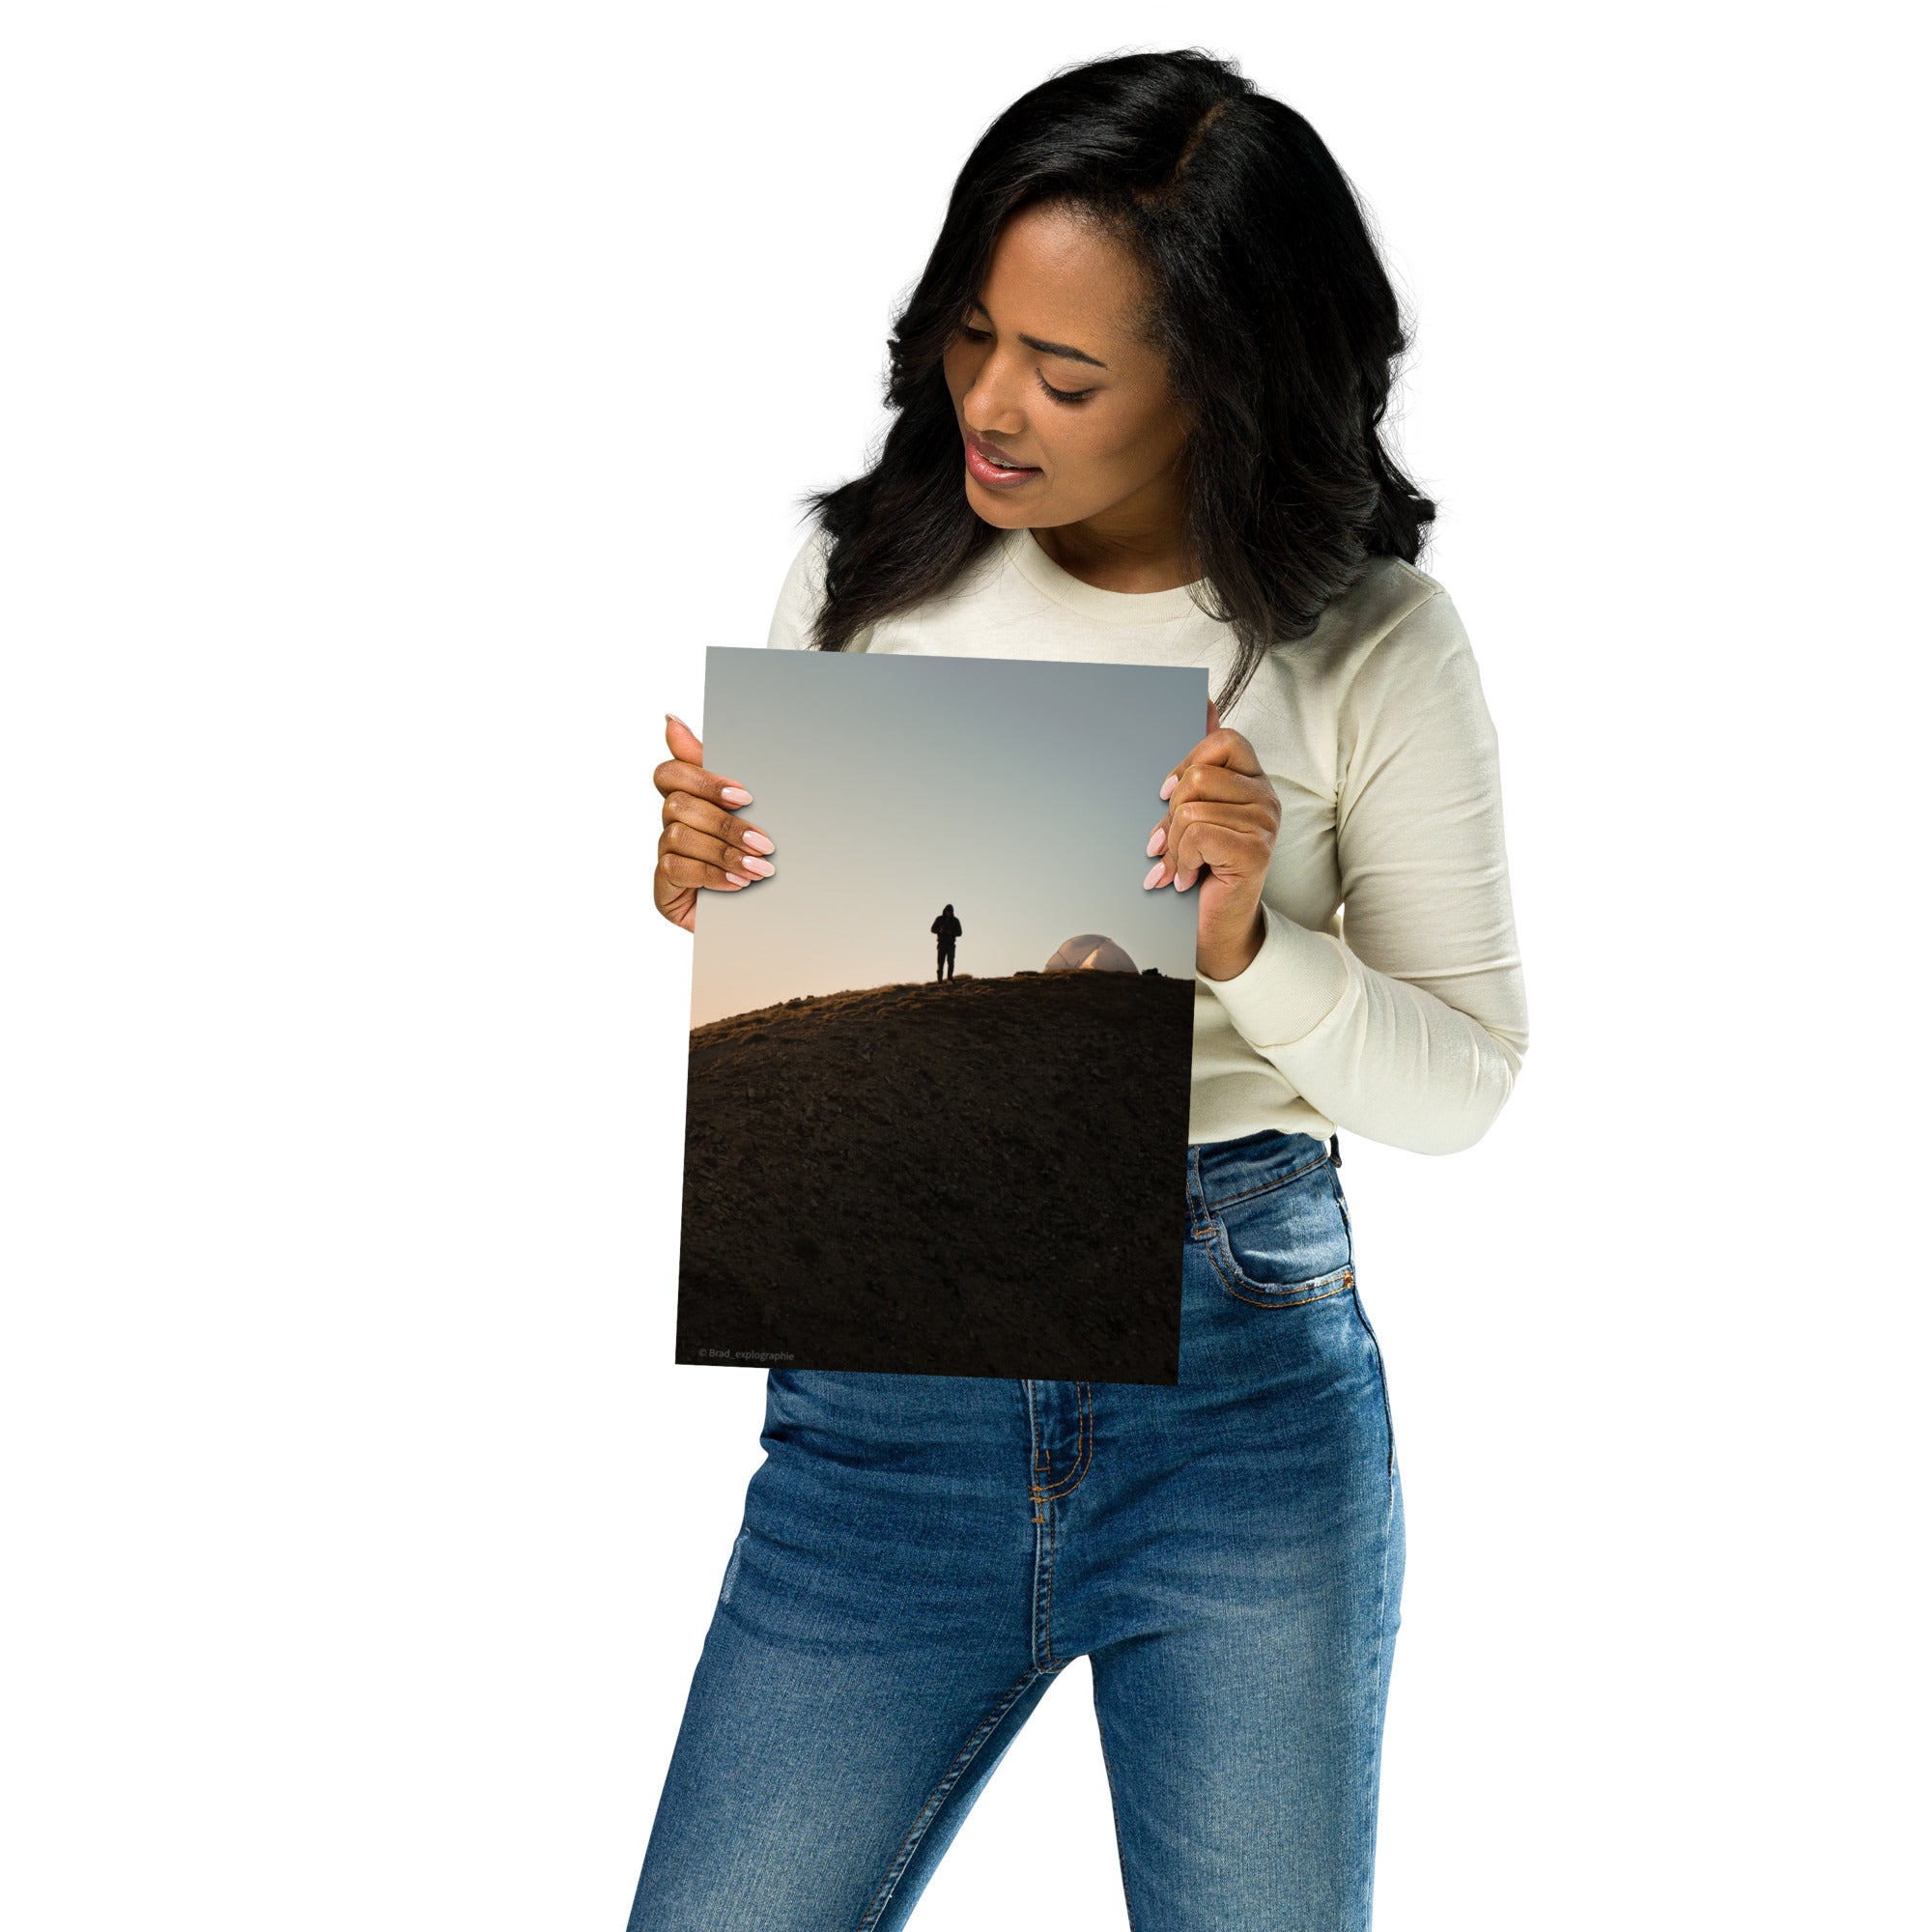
x,y
1387,998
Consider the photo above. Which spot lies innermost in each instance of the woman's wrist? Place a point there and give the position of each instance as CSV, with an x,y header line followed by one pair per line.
x,y
1225,962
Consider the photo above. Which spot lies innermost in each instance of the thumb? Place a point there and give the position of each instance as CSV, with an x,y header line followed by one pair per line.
x,y
1213,716
684,742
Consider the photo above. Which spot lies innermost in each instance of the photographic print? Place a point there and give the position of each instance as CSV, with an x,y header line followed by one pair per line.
x,y
938,1092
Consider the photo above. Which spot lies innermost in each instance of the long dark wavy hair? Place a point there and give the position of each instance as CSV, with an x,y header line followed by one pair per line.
x,y
1279,326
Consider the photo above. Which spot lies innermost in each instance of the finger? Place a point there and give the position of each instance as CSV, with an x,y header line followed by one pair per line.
x,y
687,808
678,870
681,775
1232,841
684,742
1253,800
1259,818
1234,851
727,855
1217,782
1224,747
1221,746
1221,793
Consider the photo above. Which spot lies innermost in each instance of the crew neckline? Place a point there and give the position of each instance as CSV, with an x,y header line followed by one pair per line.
x,y
1110,607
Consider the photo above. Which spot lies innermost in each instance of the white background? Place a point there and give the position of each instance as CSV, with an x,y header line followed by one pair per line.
x,y
397,400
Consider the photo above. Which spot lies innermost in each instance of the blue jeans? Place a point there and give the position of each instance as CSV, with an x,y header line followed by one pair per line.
x,y
921,1555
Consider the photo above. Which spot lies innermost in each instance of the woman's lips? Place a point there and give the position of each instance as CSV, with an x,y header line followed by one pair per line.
x,y
996,475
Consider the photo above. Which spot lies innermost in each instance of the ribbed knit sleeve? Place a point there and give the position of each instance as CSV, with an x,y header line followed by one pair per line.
x,y
1411,1026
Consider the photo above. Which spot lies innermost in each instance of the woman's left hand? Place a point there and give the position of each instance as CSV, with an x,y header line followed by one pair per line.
x,y
1222,816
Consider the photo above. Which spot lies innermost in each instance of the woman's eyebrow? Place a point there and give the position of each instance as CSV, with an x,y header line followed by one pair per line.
x,y
1067,350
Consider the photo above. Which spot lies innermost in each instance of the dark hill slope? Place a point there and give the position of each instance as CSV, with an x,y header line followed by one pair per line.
x,y
980,1176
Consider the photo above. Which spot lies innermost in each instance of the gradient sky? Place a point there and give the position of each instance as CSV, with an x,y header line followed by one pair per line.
x,y
1022,790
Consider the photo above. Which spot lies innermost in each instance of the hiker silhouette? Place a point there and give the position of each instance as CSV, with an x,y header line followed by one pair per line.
x,y
949,930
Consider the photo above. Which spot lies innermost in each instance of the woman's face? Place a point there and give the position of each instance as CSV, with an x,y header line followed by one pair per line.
x,y
1055,314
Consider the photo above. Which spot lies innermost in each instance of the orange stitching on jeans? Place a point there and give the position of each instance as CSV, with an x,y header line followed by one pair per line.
x,y
1279,1180
1083,1452
1046,1617
1042,1516
1238,1289
1221,1252
1037,1618
1041,1458
1381,1377
1083,1446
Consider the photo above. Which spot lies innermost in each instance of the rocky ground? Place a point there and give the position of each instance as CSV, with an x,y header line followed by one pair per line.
x,y
975,1177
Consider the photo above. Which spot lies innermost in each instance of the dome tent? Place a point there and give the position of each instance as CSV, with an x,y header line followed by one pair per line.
x,y
1090,951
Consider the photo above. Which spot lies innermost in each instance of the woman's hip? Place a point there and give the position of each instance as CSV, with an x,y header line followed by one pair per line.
x,y
1280,1419
1267,1238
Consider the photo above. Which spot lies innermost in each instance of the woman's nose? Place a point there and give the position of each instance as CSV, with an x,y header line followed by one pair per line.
x,y
990,406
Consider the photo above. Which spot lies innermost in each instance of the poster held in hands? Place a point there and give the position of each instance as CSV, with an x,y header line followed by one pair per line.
x,y
938,1090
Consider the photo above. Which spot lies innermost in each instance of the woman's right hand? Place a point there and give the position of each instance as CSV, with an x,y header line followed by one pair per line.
x,y
703,844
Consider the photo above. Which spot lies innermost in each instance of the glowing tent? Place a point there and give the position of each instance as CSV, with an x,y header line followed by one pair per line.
x,y
1090,951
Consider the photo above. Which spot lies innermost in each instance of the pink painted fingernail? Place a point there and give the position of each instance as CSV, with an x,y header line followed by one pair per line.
x,y
1173,779
738,878
735,795
763,867
758,842
1153,875
1158,840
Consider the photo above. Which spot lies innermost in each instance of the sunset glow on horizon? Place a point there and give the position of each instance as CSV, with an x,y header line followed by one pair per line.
x,y
1022,791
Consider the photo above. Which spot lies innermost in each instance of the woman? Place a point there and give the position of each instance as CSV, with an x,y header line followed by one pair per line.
x,y
1138,393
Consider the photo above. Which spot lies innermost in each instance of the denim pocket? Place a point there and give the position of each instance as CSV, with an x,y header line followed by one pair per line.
x,y
1285,1242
